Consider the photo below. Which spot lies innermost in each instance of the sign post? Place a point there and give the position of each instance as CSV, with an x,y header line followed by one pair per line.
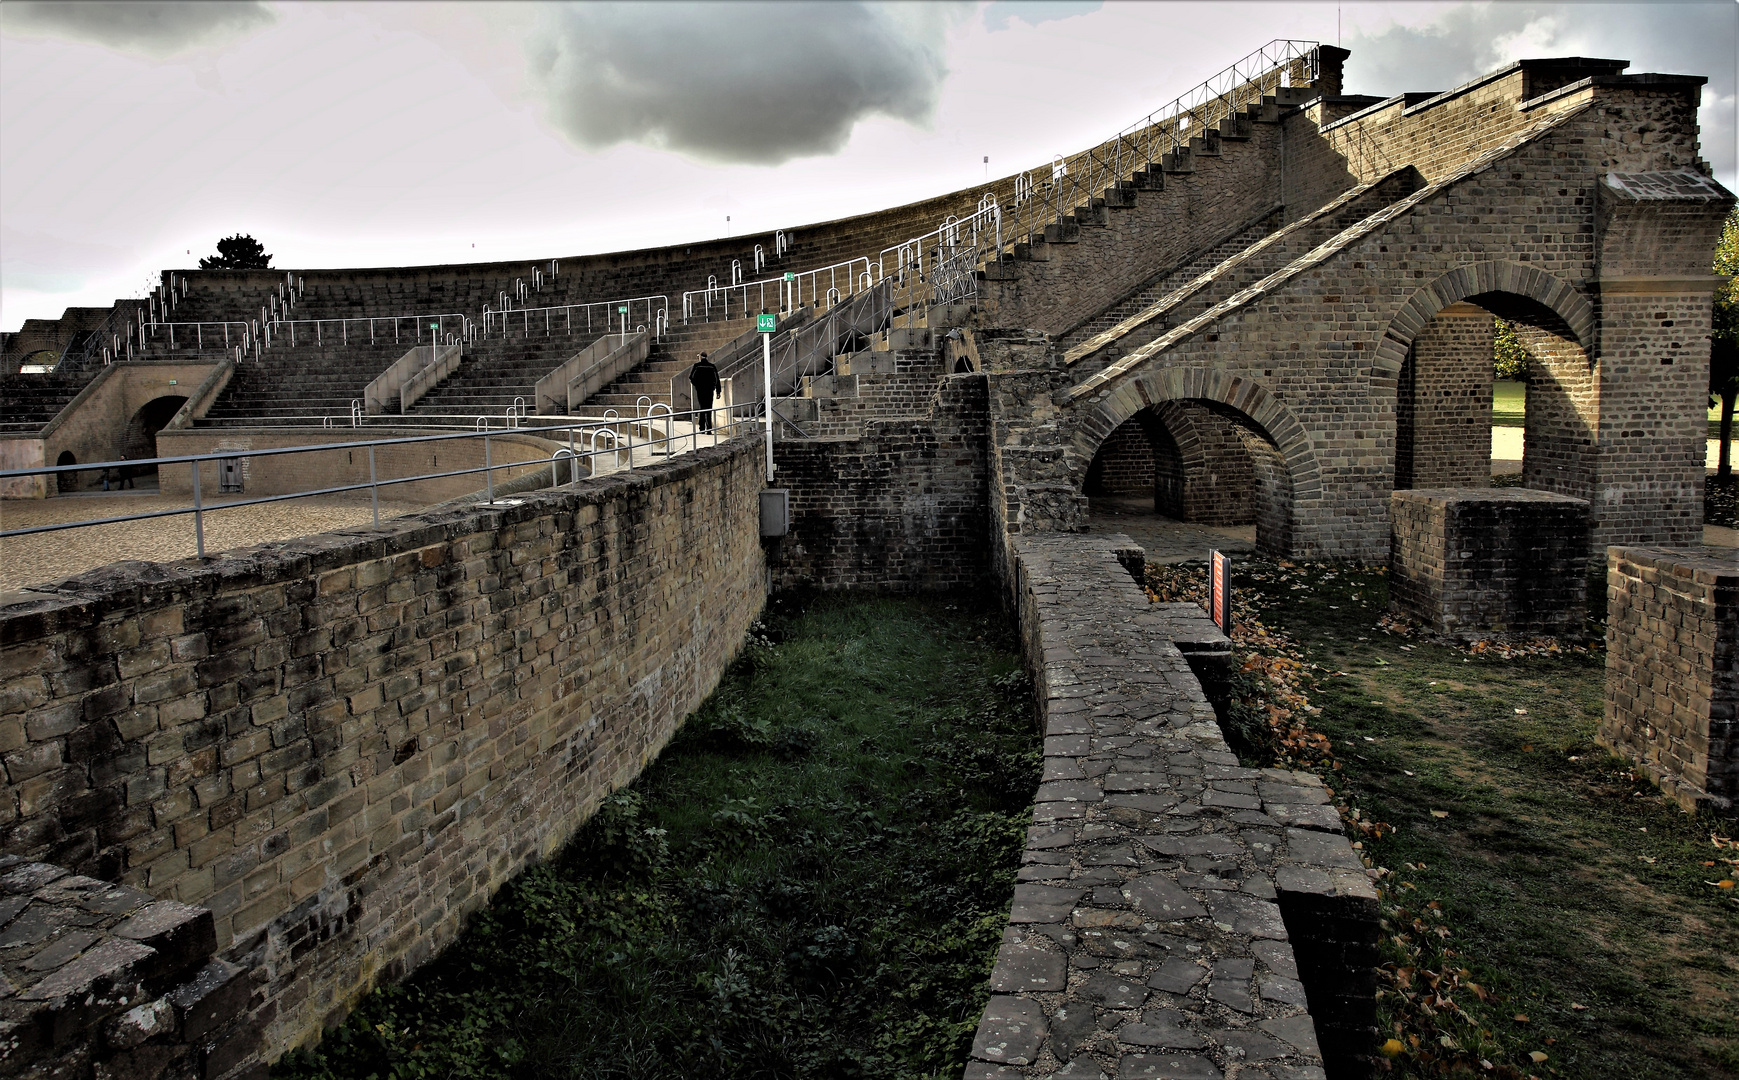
x,y
623,311
1220,592
764,324
788,289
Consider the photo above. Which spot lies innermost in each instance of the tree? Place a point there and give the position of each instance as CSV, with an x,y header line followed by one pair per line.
x,y
238,252
1724,341
1509,358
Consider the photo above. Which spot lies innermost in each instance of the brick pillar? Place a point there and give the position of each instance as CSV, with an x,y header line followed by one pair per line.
x,y
1655,235
1443,403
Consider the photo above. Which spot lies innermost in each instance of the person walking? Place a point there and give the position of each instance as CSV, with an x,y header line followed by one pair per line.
x,y
126,473
704,378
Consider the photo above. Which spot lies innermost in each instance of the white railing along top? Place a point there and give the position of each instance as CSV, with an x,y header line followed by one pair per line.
x,y
789,291
619,316
444,326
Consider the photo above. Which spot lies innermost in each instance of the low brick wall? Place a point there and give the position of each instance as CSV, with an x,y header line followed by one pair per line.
x,y
106,980
1489,560
902,507
1672,671
1175,915
285,474
342,745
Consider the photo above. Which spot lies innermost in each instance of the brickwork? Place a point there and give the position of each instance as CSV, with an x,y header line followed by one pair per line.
x,y
1672,671
1314,352
1125,464
1469,561
1443,402
342,745
1175,914
901,507
106,980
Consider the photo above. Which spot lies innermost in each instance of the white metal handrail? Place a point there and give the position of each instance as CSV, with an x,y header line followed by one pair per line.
x,y
784,293
242,331
617,316
444,328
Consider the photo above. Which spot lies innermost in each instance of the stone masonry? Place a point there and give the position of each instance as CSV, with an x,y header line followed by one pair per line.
x,y
1470,561
342,745
1672,671
1176,915
98,976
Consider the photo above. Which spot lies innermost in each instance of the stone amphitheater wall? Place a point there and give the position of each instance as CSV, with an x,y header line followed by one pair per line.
x,y
342,745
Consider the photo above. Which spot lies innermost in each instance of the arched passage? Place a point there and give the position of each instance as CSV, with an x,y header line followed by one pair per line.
x,y
1444,338
140,438
1205,447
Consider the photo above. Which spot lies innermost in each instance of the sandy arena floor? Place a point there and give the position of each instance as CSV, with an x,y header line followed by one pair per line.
x,y
52,556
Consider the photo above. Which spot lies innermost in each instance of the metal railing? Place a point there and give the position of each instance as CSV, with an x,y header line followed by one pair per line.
x,y
1077,179
224,336
611,316
942,266
783,294
445,329
625,437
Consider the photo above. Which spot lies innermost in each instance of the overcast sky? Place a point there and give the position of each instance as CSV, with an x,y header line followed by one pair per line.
x,y
133,135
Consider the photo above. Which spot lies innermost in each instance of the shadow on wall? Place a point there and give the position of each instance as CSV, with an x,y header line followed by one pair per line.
x,y
1204,463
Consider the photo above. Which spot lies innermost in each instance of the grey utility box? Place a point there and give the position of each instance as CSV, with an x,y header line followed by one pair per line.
x,y
775,512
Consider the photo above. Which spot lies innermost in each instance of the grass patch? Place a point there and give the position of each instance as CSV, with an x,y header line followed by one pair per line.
x,y
1509,406
1538,897
811,880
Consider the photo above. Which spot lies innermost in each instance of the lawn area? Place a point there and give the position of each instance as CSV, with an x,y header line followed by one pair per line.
x,y
1539,899
811,880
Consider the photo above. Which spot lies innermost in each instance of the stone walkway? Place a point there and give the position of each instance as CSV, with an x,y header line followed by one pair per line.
x,y
1149,935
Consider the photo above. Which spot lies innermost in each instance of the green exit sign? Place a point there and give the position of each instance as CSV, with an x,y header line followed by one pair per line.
x,y
621,311
789,276
764,323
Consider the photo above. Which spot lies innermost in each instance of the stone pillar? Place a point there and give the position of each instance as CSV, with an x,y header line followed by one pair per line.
x,y
1672,671
1443,403
1655,236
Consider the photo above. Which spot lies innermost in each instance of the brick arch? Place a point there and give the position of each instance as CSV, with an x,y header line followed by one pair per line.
x,y
1098,419
1475,279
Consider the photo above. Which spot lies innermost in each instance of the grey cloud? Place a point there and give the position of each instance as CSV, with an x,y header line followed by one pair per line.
x,y
744,83
154,30
1469,40
1033,12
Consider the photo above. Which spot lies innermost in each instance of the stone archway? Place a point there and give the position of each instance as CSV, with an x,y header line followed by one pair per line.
x,y
1481,279
1273,463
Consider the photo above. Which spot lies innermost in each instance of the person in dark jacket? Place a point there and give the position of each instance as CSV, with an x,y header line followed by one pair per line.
x,y
704,378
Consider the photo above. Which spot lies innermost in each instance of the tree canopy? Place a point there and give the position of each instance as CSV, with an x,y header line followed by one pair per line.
x,y
238,252
1724,340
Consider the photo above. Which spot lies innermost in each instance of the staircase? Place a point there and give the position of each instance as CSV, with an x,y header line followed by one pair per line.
x,y
669,358
497,371
300,385
29,402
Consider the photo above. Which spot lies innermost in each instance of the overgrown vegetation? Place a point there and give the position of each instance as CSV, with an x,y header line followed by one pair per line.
x,y
811,880
1509,357
1546,912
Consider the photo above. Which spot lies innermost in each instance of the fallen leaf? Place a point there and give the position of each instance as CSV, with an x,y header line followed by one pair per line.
x,y
1521,712
1537,1055
1578,1008
1409,772
1445,813
1724,883
1521,1018
1392,1047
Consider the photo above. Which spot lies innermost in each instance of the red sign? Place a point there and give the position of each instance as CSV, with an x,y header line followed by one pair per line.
x,y
1220,592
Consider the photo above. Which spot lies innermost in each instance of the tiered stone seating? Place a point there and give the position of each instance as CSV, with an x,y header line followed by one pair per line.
x,y
27,402
289,386
496,371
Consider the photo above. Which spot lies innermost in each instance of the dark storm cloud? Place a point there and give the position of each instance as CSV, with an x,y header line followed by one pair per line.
x,y
748,83
146,29
1467,41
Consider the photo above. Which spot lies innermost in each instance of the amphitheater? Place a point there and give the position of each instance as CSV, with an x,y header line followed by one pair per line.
x,y
243,789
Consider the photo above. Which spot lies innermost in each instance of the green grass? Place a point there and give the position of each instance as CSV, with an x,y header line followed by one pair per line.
x,y
1572,893
811,880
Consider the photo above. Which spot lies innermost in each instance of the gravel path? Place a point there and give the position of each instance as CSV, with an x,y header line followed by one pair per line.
x,y
47,557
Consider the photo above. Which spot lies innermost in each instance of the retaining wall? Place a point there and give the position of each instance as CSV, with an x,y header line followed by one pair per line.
x,y
342,745
1672,671
902,507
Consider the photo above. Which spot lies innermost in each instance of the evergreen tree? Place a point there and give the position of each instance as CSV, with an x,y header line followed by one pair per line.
x,y
239,252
